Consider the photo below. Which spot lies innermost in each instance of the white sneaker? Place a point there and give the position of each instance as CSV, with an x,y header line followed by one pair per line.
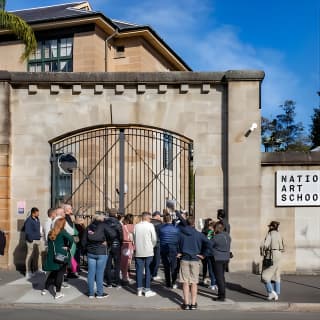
x,y
149,293
214,287
175,286
139,293
65,285
156,278
59,295
273,296
43,292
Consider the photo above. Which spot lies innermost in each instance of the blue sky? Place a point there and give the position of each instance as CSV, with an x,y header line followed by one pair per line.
x,y
280,37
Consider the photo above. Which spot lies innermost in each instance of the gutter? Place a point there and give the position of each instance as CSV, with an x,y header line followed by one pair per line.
x,y
107,47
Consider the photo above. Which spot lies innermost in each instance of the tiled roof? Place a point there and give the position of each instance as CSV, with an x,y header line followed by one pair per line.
x,y
71,10
56,12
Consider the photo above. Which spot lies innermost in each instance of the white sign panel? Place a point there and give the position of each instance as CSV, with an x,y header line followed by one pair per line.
x,y
297,188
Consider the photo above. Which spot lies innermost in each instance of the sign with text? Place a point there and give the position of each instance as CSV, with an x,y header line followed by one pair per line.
x,y
297,188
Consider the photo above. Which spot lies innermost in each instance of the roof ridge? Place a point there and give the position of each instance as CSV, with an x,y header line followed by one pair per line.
x,y
54,5
126,22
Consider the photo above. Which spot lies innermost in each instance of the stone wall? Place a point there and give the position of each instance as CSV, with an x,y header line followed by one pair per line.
x,y
299,226
207,108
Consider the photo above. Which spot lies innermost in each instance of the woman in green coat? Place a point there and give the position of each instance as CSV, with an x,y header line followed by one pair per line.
x,y
59,241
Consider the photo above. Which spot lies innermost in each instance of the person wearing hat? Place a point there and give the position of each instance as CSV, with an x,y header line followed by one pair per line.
x,y
272,249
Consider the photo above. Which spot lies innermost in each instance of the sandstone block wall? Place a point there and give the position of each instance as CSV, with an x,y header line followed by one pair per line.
x,y
205,107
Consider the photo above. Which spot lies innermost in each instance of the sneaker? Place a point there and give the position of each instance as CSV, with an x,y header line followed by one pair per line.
x,y
156,278
185,306
43,292
139,293
118,286
91,297
214,287
175,286
59,295
65,285
104,295
194,306
273,296
29,275
109,286
149,293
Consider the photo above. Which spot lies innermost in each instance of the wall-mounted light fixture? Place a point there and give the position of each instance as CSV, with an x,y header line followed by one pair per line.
x,y
253,127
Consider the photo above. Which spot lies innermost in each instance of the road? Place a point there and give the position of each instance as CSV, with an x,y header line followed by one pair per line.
x,y
79,314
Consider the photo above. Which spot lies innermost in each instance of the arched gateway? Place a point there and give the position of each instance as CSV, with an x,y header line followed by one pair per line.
x,y
133,168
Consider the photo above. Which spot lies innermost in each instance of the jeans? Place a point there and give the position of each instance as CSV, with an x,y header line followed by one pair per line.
x,y
143,264
96,265
211,273
273,287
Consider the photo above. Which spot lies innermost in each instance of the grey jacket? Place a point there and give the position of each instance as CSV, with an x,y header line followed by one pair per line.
x,y
221,246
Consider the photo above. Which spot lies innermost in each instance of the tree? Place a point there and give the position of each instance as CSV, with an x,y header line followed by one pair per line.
x,y
315,128
20,28
282,133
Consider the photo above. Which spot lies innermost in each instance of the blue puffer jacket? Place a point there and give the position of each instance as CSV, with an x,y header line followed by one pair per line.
x,y
169,236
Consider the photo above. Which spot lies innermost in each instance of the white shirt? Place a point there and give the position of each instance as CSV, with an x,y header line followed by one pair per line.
x,y
46,229
145,238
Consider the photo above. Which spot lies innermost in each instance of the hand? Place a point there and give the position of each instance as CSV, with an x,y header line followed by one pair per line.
x,y
179,255
200,256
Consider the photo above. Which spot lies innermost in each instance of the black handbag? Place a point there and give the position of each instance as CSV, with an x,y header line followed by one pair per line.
x,y
59,257
267,262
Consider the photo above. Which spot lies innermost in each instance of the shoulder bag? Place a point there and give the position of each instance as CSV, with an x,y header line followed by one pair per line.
x,y
59,257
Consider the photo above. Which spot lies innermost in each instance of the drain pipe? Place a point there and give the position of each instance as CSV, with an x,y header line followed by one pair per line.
x,y
106,49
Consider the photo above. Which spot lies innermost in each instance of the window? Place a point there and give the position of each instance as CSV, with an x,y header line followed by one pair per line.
x,y
120,52
167,151
52,56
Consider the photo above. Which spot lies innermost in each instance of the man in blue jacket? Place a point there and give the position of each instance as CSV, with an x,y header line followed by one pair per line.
x,y
192,247
34,245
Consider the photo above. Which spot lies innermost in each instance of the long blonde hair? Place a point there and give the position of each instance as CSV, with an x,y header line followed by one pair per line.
x,y
58,226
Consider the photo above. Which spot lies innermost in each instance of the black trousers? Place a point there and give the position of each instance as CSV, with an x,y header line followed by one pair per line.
x,y
219,269
55,278
154,266
170,265
112,271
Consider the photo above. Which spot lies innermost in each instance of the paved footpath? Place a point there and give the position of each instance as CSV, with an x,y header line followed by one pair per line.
x,y
244,292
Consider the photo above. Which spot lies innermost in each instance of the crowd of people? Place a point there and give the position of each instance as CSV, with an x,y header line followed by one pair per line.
x,y
111,241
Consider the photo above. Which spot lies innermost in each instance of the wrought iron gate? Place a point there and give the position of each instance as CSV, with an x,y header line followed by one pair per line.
x,y
131,168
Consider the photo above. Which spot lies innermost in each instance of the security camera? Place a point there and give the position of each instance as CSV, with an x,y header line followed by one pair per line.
x,y
253,127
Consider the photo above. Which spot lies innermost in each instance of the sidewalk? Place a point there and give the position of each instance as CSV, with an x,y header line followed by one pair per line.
x,y
244,292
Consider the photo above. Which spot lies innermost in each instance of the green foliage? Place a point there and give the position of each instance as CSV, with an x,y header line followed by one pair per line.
x,y
20,28
282,133
315,128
